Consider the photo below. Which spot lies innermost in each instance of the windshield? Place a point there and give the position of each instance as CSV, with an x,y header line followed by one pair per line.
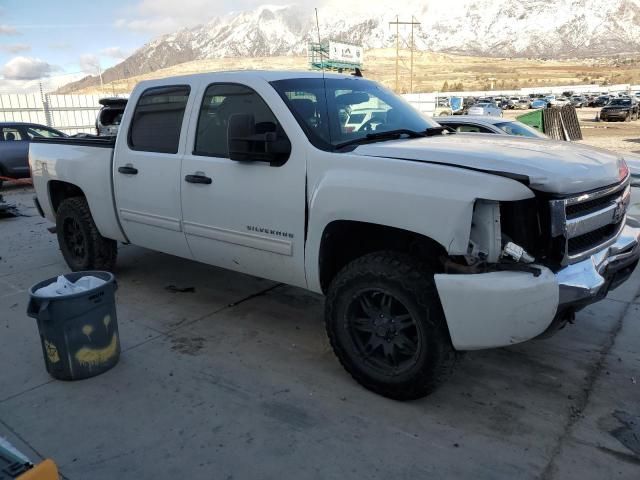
x,y
318,109
519,129
620,101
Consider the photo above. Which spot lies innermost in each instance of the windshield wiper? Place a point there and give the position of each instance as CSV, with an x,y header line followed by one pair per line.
x,y
392,134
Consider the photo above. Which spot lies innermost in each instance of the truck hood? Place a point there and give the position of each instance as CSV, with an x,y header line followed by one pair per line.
x,y
548,165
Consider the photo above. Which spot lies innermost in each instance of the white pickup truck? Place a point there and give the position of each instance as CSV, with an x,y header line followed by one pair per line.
x,y
424,243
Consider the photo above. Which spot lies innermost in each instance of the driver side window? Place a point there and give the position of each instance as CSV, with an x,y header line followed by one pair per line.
x,y
219,104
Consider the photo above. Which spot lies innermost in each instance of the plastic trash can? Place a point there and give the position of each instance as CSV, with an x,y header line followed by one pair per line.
x,y
78,332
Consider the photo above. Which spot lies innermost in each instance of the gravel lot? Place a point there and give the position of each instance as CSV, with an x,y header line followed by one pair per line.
x,y
237,381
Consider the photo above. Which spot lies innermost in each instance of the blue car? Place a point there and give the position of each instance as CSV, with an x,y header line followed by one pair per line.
x,y
14,147
539,103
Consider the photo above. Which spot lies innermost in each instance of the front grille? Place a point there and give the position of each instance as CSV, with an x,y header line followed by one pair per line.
x,y
590,206
590,240
586,223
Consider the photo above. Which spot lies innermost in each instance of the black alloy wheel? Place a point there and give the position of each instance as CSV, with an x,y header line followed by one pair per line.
x,y
383,331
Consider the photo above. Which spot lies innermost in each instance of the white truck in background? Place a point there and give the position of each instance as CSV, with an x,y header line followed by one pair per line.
x,y
424,243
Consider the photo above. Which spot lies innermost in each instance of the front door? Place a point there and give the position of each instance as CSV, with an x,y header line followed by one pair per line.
x,y
247,216
147,169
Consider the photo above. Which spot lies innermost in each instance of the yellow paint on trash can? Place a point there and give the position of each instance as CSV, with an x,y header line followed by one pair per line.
x,y
46,470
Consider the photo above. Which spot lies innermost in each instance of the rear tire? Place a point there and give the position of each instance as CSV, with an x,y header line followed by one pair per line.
x,y
386,326
81,244
628,117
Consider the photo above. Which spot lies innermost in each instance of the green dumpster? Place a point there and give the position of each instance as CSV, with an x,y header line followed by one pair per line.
x,y
533,119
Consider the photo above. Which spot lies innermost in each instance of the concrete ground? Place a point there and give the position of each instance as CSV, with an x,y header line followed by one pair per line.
x,y
237,381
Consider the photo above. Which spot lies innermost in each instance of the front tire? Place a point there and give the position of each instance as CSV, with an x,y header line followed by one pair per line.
x,y
81,244
386,326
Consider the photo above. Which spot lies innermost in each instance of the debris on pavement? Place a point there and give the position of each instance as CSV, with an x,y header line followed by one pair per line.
x,y
174,289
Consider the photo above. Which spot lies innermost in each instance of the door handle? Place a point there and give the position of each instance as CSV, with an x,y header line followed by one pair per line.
x,y
128,170
203,179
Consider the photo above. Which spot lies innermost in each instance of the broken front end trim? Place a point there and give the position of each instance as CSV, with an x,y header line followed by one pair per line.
x,y
500,308
591,279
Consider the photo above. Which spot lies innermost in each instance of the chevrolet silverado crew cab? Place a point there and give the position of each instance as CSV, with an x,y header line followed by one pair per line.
x,y
425,243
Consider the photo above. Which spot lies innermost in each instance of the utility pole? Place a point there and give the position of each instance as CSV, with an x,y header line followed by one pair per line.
x,y
397,49
100,75
397,23
412,45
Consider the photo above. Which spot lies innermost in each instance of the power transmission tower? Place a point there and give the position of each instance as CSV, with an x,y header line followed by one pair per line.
x,y
397,23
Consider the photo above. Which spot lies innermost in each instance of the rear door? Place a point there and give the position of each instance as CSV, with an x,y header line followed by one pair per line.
x,y
147,168
14,152
247,216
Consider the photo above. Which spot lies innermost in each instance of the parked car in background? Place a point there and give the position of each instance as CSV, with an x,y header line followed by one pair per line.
x,y
110,116
601,101
442,107
539,103
485,124
14,146
522,104
556,101
578,101
622,109
513,101
485,109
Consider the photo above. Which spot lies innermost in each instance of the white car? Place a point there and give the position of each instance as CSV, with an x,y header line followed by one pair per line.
x,y
424,243
485,108
557,100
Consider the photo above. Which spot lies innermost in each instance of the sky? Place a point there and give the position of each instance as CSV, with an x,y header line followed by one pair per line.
x,y
61,41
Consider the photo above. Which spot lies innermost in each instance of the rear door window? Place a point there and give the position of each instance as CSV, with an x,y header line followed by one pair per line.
x,y
10,134
157,119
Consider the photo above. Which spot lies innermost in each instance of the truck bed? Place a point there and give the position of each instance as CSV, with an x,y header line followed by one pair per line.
x,y
86,162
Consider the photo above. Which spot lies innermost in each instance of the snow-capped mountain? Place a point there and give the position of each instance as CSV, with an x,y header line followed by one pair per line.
x,y
523,28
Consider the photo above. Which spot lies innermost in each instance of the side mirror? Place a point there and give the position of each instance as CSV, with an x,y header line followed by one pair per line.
x,y
246,144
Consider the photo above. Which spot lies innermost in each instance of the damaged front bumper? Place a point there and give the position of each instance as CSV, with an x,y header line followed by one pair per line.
x,y
502,308
590,280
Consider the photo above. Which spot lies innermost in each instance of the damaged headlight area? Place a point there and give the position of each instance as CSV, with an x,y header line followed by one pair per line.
x,y
503,236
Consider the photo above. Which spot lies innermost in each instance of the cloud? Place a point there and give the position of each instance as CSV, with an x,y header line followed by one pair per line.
x,y
89,63
114,52
163,16
33,86
27,68
8,30
15,48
